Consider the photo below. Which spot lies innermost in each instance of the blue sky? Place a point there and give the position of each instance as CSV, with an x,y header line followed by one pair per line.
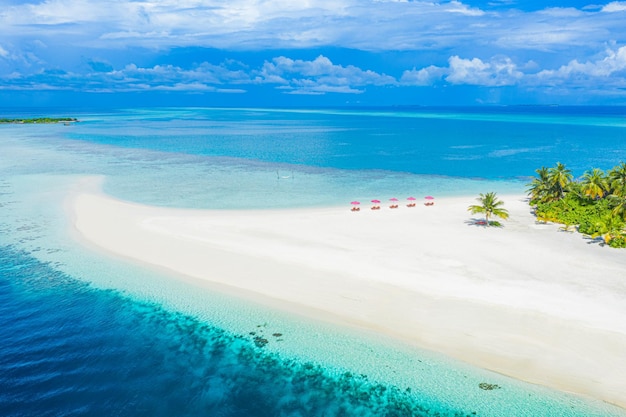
x,y
311,52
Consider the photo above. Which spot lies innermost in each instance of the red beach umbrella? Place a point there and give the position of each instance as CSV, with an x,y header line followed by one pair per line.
x,y
376,201
429,197
411,198
355,203
393,199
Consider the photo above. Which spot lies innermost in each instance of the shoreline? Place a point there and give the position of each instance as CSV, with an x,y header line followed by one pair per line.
x,y
526,300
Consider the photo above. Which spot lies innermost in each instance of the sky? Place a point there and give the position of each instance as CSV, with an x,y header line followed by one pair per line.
x,y
282,53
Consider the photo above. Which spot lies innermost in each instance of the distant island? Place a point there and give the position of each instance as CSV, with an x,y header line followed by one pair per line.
x,y
37,120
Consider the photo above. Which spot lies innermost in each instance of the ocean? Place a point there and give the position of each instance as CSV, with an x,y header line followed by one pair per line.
x,y
87,334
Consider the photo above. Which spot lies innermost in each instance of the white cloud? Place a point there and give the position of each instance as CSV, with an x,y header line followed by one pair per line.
x,y
422,77
204,73
458,7
615,6
613,62
319,75
497,72
560,12
600,75
130,35
204,77
3,52
257,24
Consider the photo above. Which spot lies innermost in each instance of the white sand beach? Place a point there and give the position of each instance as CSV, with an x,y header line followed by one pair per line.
x,y
526,300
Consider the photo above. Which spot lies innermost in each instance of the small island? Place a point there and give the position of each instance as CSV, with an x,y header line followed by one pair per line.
x,y
39,120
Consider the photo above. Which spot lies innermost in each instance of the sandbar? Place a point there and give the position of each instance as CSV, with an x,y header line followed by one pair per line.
x,y
527,300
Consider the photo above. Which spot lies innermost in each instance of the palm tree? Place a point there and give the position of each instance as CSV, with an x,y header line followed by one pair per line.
x,y
619,206
617,180
540,188
490,205
594,184
560,178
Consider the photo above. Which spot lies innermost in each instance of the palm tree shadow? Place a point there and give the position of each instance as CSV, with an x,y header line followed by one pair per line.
x,y
476,222
594,240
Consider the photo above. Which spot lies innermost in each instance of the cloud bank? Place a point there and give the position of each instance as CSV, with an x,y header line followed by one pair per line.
x,y
308,47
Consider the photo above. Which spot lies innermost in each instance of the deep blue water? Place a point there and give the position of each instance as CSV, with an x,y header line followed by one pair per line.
x,y
70,350
68,347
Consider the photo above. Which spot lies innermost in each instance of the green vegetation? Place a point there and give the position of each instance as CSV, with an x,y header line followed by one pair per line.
x,y
39,120
490,206
595,204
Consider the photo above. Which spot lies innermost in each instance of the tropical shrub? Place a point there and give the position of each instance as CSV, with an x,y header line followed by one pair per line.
x,y
618,242
596,203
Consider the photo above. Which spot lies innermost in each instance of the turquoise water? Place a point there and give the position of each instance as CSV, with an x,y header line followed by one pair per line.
x,y
88,335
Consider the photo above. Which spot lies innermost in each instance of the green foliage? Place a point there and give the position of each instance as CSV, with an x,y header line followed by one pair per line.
x,y
594,184
560,178
618,206
571,210
617,180
550,184
618,242
540,189
596,204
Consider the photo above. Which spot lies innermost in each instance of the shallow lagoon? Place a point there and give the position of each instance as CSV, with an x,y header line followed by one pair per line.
x,y
151,344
